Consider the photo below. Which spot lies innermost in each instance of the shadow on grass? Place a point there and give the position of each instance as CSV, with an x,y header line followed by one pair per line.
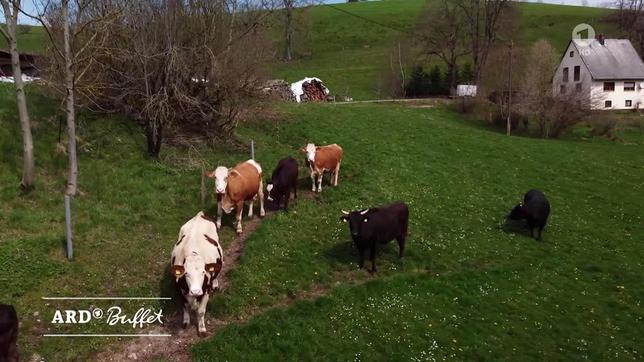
x,y
167,289
518,227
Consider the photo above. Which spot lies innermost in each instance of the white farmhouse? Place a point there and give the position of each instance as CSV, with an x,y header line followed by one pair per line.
x,y
607,71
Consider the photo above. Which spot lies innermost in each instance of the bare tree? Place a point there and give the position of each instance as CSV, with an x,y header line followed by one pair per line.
x,y
183,67
442,33
76,30
290,23
630,19
11,11
553,113
482,21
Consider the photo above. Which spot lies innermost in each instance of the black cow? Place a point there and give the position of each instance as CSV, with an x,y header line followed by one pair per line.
x,y
8,333
283,180
378,225
534,209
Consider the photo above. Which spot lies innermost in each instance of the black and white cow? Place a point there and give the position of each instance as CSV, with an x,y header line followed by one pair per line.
x,y
196,261
283,181
378,225
8,333
534,209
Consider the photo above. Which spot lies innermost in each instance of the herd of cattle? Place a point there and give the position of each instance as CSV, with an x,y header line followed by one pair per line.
x,y
197,257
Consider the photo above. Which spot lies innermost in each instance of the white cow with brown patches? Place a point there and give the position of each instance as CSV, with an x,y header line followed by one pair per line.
x,y
322,159
196,261
234,186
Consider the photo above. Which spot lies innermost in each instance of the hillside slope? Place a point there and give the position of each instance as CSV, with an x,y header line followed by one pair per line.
x,y
349,45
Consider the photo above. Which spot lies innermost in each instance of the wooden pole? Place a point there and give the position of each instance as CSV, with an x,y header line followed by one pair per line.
x,y
509,121
68,226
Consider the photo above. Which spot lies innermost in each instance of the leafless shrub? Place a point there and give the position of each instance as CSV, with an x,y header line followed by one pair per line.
x,y
183,67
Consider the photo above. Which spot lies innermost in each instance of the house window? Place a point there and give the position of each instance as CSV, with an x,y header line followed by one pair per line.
x,y
572,53
565,74
562,89
608,104
609,86
577,74
629,103
578,87
629,86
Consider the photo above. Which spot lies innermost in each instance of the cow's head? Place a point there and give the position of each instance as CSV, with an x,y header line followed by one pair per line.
x,y
194,269
516,213
309,150
355,219
220,174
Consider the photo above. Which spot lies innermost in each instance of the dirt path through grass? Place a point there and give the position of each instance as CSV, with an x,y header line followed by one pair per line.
x,y
176,348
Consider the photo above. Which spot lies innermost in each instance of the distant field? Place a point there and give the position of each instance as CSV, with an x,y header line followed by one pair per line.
x,y
350,54
31,39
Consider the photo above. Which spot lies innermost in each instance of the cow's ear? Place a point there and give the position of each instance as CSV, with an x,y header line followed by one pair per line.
x,y
214,268
177,270
209,174
343,218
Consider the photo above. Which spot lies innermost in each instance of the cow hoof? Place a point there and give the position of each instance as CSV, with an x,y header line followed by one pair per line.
x,y
185,325
218,223
201,333
239,232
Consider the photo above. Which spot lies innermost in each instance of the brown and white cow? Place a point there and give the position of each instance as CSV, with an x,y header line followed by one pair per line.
x,y
321,159
235,185
196,261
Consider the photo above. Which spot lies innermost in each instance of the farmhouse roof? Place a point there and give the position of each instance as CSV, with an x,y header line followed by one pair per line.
x,y
614,59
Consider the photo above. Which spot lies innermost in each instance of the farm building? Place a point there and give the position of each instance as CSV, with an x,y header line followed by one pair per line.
x,y
28,63
609,72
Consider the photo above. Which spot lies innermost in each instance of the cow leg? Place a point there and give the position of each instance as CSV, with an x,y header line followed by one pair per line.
x,y
240,209
250,208
313,175
294,191
335,174
320,177
260,194
288,196
12,352
186,315
539,235
219,213
373,258
201,312
401,245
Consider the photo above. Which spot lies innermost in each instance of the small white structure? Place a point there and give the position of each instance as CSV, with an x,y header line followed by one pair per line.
x,y
298,90
465,90
25,79
609,72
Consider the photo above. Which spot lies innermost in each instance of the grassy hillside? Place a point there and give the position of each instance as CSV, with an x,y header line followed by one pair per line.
x,y
350,53
30,39
349,45
461,275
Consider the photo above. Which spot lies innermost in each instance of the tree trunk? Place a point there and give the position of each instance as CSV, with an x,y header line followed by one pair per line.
x,y
451,73
154,137
288,30
69,104
27,182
